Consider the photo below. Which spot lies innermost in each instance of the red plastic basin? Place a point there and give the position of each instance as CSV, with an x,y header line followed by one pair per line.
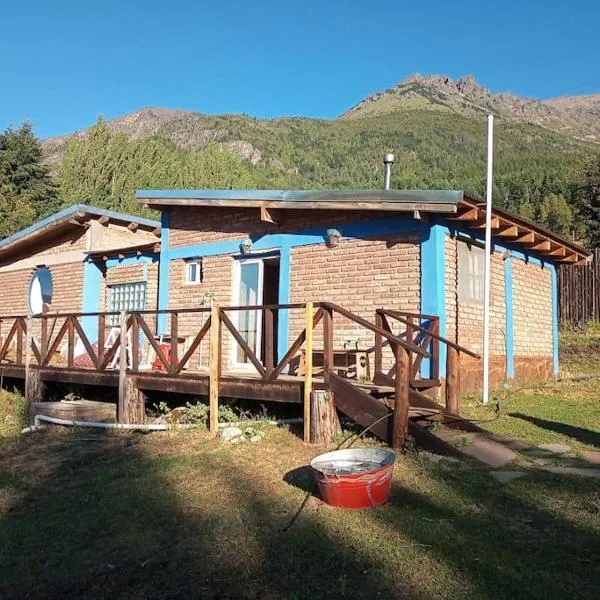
x,y
354,478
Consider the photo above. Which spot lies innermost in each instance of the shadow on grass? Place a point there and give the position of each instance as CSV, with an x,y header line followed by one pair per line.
x,y
109,519
585,436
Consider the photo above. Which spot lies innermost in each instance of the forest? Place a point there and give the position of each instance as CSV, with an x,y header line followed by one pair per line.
x,y
547,177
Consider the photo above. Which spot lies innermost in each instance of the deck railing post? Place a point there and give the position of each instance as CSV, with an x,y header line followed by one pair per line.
x,y
44,340
402,404
269,340
101,337
327,343
174,359
308,370
70,343
214,367
121,408
378,344
452,380
435,351
410,332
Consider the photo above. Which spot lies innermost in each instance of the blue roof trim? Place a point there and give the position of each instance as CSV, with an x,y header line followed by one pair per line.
x,y
434,196
69,212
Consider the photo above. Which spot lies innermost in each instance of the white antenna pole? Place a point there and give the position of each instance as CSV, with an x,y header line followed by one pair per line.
x,y
488,261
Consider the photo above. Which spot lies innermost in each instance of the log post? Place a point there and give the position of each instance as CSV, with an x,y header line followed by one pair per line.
x,y
101,337
402,404
34,387
214,367
134,405
122,407
324,420
308,370
452,380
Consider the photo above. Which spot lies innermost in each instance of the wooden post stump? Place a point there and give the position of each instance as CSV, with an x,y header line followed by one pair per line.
x,y
452,380
402,404
324,419
133,406
35,388
308,384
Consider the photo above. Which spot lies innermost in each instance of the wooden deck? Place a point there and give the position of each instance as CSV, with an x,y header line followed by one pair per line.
x,y
45,349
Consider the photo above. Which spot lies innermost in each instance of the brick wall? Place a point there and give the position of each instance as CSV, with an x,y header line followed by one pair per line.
x,y
532,321
532,310
359,275
198,225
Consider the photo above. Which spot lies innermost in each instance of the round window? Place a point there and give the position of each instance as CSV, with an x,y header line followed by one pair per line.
x,y
40,291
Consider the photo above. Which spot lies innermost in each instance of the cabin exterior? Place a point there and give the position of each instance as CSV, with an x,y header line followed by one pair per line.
x,y
418,252
80,260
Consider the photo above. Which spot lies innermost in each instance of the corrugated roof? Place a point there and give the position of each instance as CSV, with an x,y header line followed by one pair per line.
x,y
70,212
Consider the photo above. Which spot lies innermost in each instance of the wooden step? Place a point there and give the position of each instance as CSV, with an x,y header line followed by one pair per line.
x,y
420,384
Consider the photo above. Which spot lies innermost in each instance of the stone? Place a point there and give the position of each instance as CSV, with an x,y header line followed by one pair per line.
x,y
555,448
578,471
488,451
507,476
590,456
436,458
230,433
256,438
241,439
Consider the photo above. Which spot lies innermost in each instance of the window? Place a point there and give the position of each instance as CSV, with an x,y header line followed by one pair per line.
x,y
40,291
194,271
471,264
125,296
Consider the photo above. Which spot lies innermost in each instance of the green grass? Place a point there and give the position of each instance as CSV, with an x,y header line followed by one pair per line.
x,y
181,515
566,410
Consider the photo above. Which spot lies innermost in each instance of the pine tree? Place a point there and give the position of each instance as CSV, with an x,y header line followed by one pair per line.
x,y
588,197
27,191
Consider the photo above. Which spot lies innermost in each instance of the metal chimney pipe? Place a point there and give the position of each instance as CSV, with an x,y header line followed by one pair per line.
x,y
388,161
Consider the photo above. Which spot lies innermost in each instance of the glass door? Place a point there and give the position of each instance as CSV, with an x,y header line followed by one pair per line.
x,y
249,293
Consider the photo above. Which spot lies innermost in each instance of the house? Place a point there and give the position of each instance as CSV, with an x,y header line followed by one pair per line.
x,y
80,260
420,252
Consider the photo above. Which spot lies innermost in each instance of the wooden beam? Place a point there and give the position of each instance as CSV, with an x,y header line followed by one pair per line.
x,y
121,406
156,232
527,238
571,258
132,226
480,223
560,251
214,359
271,215
509,231
78,223
543,245
80,214
452,380
472,214
104,220
308,370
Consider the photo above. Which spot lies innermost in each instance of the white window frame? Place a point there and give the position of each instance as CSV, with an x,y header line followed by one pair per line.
x,y
470,281
198,265
130,296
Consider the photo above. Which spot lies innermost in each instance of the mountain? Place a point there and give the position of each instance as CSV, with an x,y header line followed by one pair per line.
x,y
577,116
436,127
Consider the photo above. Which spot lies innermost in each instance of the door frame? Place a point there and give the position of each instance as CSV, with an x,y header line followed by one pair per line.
x,y
237,270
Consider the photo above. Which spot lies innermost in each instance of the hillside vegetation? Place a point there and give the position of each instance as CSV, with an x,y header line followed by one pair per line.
x,y
434,125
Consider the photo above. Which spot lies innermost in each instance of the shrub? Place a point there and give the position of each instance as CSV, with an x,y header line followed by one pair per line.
x,y
13,413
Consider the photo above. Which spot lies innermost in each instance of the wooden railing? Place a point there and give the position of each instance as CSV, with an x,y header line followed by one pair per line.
x,y
424,332
58,341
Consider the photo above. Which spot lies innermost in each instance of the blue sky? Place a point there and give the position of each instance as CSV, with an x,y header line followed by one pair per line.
x,y
64,62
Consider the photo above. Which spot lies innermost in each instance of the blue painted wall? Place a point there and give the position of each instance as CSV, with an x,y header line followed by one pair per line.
x,y
433,252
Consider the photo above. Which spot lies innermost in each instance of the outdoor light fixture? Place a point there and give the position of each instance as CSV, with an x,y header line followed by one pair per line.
x,y
246,246
334,237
